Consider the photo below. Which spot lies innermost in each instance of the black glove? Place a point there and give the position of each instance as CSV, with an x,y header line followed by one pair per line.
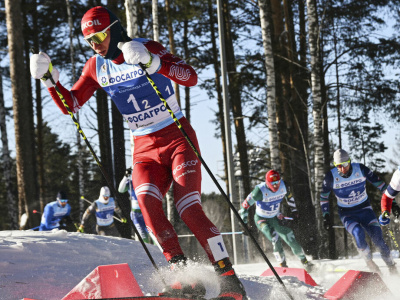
x,y
282,221
128,172
396,209
295,216
285,223
327,222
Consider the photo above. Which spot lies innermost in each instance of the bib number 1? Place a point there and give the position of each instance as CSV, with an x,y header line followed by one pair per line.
x,y
217,247
132,99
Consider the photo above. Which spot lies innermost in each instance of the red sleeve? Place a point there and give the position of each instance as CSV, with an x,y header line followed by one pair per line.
x,y
82,90
386,203
172,66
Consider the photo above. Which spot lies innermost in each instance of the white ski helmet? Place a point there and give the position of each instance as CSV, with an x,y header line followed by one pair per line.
x,y
340,156
104,195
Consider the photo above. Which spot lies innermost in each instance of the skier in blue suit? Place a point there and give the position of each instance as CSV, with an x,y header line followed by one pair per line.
x,y
348,182
55,212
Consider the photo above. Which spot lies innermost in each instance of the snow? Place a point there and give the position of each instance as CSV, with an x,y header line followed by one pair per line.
x,y
47,265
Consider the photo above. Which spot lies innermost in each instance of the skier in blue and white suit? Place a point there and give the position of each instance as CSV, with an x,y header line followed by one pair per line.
x,y
136,214
55,212
103,208
348,182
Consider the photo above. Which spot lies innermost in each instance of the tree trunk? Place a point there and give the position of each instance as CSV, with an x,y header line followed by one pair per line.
x,y
277,28
317,100
186,58
325,132
7,165
23,120
154,12
218,90
39,119
234,93
80,154
117,123
172,43
34,201
292,118
265,11
103,121
118,143
131,18
298,140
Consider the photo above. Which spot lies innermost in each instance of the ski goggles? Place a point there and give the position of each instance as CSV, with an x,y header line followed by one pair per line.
x,y
275,182
98,37
342,164
106,196
63,200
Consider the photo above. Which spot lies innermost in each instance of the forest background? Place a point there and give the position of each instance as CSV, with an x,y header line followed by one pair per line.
x,y
304,78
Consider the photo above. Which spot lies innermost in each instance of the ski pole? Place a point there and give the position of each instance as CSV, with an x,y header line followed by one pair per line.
x,y
118,219
34,228
393,238
76,226
336,226
212,176
36,212
222,233
103,171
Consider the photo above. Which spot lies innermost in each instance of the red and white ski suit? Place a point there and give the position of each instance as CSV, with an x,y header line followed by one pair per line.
x,y
161,154
391,192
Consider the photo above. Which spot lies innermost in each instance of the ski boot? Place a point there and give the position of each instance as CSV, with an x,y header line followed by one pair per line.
x,y
372,266
391,264
393,270
230,285
180,289
308,266
280,258
283,264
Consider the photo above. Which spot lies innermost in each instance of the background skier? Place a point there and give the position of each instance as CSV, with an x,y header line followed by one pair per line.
x,y
56,214
348,182
103,208
136,214
268,197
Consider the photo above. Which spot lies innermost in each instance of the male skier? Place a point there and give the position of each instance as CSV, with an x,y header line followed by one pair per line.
x,y
348,182
268,197
162,154
103,208
55,212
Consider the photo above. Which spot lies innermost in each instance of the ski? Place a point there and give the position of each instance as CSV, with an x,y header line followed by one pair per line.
x,y
167,298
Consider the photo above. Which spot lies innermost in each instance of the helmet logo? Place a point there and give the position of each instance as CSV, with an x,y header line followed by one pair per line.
x,y
274,177
90,23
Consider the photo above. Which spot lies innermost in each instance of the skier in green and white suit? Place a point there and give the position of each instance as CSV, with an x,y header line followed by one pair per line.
x,y
270,221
